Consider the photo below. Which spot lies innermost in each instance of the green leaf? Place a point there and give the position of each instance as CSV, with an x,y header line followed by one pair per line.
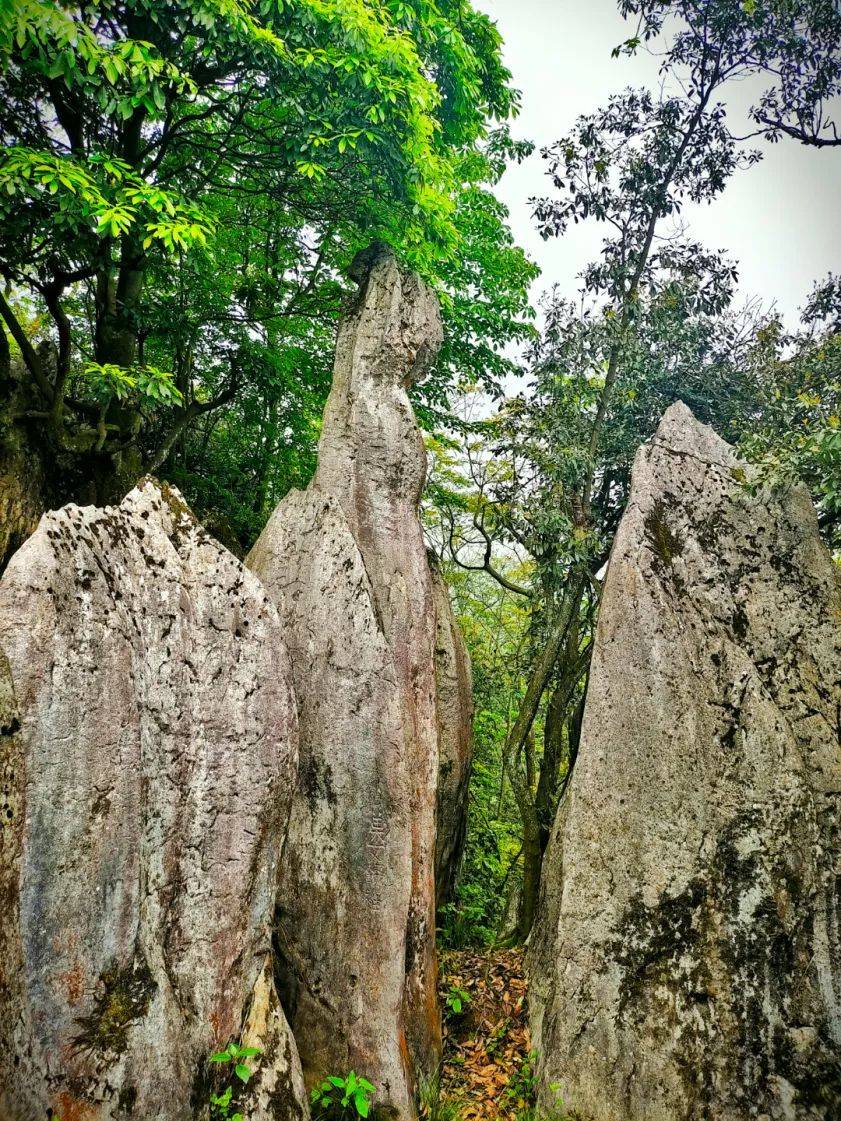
x,y
242,1072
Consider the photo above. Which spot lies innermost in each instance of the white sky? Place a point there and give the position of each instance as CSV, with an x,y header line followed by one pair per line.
x,y
781,219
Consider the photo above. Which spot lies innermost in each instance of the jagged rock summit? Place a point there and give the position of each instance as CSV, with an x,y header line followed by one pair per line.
x,y
346,563
686,962
148,747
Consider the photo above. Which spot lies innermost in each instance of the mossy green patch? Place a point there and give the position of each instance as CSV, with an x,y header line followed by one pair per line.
x,y
665,541
123,997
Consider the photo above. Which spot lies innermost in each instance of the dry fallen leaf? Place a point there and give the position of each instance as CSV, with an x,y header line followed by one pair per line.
x,y
487,1046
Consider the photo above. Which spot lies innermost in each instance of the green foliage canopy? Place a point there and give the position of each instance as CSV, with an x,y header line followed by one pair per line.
x,y
182,183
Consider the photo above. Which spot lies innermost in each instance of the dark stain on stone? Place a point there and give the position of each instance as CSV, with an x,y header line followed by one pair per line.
x,y
123,998
316,781
415,938
127,1099
740,623
283,1104
665,542
675,945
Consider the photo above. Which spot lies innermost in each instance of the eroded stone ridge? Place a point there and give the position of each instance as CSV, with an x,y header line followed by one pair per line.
x,y
149,749
686,962
346,564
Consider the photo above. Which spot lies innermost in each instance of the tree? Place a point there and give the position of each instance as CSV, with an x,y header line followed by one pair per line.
x,y
239,461
793,45
631,166
222,158
501,515
793,427
553,467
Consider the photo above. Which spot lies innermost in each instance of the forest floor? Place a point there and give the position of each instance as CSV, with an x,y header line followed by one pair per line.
x,y
486,1072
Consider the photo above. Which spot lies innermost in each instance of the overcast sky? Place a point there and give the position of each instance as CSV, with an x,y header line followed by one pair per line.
x,y
781,219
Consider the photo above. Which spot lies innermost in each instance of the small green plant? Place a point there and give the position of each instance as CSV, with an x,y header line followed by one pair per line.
x,y
342,1098
557,1111
432,1106
497,1037
522,1085
222,1103
456,1000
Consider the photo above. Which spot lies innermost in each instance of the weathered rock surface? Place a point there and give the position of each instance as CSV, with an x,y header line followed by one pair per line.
x,y
346,563
454,691
147,770
686,962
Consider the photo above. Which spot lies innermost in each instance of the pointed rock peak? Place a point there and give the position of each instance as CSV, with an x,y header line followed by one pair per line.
x,y
346,564
163,499
393,329
371,450
686,959
680,431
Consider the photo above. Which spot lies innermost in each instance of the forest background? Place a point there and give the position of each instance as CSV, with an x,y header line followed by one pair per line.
x,y
183,186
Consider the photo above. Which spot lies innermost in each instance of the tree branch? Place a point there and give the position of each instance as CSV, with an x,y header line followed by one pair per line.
x,y
486,565
186,418
31,359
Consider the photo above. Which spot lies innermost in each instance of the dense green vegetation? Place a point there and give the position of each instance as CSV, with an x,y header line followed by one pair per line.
x,y
544,482
182,186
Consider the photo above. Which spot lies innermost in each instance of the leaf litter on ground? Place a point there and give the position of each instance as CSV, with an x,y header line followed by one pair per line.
x,y
487,1065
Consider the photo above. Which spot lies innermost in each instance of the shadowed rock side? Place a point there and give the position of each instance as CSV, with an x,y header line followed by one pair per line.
x,y
20,495
686,963
346,563
146,788
454,686
22,486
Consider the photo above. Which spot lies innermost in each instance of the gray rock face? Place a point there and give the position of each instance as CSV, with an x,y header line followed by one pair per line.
x,y
147,771
454,687
686,962
346,564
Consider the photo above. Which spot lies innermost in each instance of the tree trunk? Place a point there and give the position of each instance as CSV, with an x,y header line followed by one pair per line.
x,y
532,862
116,321
537,800
544,667
553,750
